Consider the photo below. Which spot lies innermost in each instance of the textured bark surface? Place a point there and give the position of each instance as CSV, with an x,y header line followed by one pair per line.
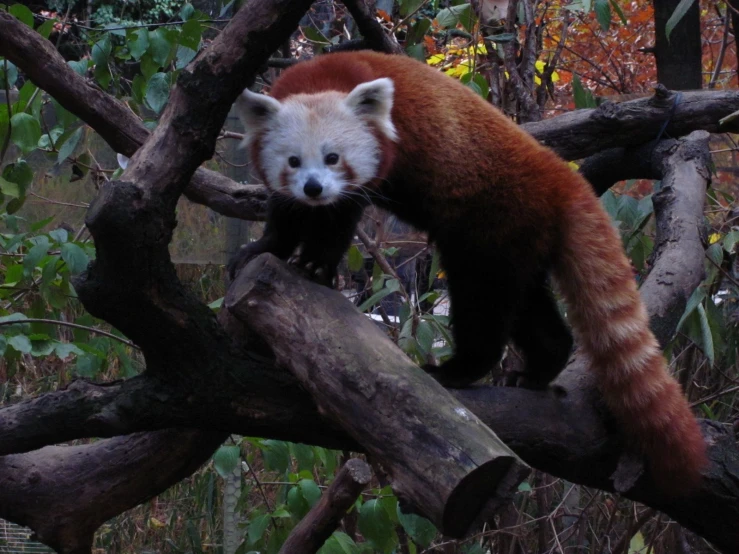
x,y
323,519
442,461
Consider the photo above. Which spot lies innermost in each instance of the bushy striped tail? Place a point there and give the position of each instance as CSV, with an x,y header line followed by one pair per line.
x,y
612,328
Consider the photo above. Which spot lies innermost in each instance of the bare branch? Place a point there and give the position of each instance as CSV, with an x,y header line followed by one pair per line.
x,y
318,524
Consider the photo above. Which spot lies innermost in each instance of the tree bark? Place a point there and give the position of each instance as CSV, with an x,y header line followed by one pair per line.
x,y
442,461
323,519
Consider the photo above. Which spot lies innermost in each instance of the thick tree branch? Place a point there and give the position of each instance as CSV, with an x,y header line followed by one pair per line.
x,y
584,132
441,460
64,493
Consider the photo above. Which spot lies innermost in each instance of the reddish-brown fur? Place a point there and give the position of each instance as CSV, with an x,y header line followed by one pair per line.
x,y
466,174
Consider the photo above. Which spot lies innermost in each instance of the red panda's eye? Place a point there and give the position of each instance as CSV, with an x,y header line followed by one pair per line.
x,y
331,159
293,161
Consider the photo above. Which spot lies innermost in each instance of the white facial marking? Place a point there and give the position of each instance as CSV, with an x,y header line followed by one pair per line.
x,y
319,147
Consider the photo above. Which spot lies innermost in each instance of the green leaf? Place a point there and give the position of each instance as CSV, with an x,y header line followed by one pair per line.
x,y
34,255
75,258
46,27
80,67
636,545
101,51
159,46
339,543
420,529
187,11
88,365
449,17
680,11
578,92
190,34
138,42
64,349
303,454
25,132
619,11
19,172
603,13
11,74
41,347
524,486
22,13
695,299
706,335
375,524
20,343
310,491
297,505
355,258
276,455
392,286
3,344
257,527
408,7
226,459
67,147
184,56
59,235
157,91
730,240
8,188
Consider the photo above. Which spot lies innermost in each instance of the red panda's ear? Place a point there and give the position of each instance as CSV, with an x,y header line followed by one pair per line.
x,y
255,112
373,101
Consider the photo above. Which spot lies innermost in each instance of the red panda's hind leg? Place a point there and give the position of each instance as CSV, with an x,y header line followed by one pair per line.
x,y
483,303
542,336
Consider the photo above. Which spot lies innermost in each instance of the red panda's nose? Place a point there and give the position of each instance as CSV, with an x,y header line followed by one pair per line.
x,y
312,188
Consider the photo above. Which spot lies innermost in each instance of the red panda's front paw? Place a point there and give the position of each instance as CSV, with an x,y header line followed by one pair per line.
x,y
243,256
317,272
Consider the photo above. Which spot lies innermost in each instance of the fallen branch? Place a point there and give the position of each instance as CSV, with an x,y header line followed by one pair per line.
x,y
318,524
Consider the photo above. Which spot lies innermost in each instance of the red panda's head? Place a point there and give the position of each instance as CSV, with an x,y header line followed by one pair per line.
x,y
319,147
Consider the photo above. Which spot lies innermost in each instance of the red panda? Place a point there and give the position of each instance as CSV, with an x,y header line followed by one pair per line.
x,y
346,129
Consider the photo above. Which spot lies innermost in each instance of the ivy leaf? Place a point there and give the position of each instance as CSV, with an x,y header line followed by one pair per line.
x,y
25,132
157,91
74,257
138,45
159,47
101,51
11,74
190,35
